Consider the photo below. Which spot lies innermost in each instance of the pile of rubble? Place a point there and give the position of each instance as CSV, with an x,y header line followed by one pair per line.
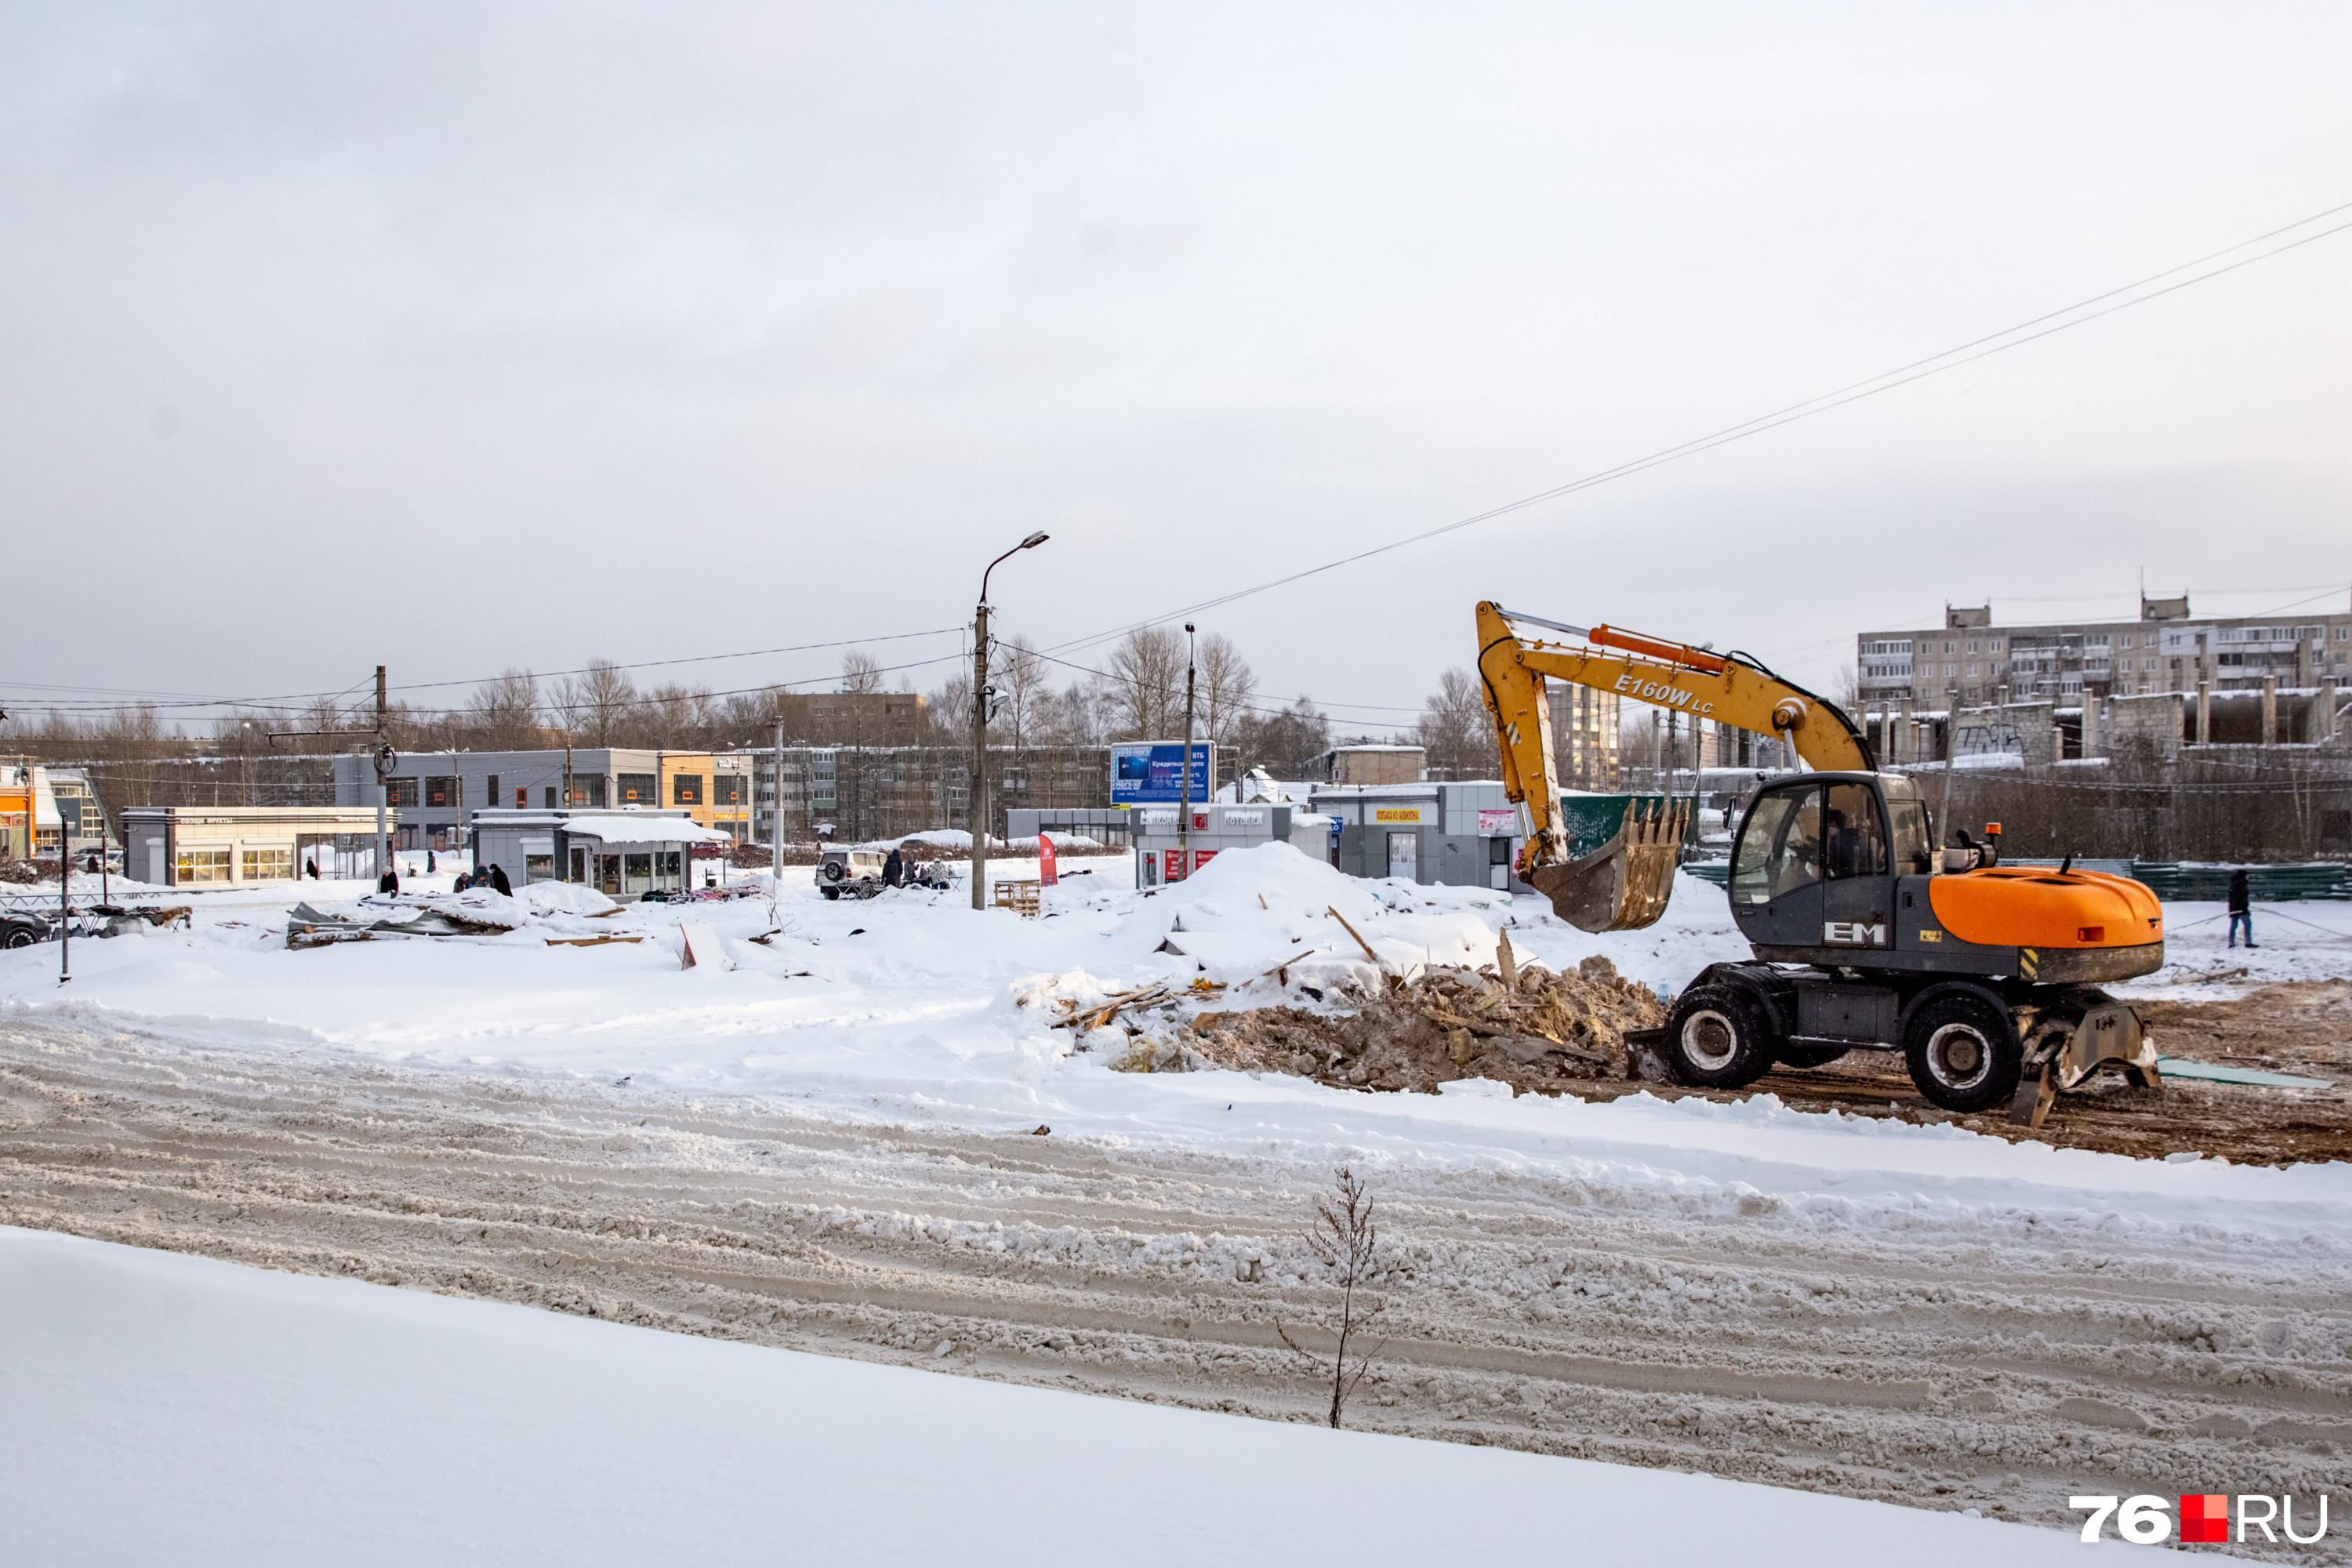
x,y
1520,1025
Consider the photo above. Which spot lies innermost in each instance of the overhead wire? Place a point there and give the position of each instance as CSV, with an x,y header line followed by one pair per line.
x,y
2049,323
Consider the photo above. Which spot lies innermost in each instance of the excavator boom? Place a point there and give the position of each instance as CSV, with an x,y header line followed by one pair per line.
x,y
1625,884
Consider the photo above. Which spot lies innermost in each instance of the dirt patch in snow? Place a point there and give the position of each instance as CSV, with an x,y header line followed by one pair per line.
x,y
1542,1033
2303,1027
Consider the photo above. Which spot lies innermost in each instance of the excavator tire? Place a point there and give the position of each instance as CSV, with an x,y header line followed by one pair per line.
x,y
1718,1037
1963,1055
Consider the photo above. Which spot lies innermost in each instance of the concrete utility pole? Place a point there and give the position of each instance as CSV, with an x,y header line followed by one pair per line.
x,y
1184,789
385,758
775,825
980,694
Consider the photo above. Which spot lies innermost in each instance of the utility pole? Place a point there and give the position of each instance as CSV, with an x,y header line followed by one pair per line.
x,y
980,694
383,764
976,814
563,797
775,826
1184,791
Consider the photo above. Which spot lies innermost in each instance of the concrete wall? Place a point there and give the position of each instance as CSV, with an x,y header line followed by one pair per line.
x,y
2024,729
2152,721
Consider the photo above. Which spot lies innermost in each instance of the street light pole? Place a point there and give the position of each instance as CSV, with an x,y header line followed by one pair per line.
x,y
978,812
1184,789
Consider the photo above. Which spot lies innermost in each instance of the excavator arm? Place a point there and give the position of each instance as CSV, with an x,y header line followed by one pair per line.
x,y
1624,884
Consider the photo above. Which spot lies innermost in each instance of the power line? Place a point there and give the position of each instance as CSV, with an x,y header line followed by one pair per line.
x,y
2079,313
278,703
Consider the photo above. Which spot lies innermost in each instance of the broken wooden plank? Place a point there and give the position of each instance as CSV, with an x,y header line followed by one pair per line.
x,y
1351,930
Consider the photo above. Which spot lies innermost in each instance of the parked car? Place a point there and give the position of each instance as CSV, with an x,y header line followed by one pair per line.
x,y
854,873
23,930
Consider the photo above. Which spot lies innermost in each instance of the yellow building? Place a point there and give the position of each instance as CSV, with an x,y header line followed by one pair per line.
x,y
713,788
17,792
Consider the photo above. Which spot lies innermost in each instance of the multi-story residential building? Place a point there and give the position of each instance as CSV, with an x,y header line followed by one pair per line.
x,y
1585,736
1969,661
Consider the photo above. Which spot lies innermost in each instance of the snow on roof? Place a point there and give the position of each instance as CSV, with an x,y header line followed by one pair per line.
x,y
617,828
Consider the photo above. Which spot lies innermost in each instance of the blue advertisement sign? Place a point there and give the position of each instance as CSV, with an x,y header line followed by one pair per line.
x,y
1145,773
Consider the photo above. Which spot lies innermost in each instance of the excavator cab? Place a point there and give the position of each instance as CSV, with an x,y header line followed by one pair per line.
x,y
1818,858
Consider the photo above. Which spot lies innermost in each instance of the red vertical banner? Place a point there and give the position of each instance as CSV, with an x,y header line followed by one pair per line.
x,y
1045,873
1172,861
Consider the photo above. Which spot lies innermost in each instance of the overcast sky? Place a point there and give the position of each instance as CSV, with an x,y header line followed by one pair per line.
x,y
455,337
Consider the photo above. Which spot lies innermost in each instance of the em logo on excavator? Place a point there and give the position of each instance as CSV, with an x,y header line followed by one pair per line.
x,y
1852,934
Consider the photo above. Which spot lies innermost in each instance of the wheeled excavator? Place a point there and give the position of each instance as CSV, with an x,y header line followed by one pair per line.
x,y
1866,935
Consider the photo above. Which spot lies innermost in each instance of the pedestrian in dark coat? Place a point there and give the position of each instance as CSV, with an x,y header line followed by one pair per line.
x,y
894,870
311,866
429,864
2240,908
465,881
499,880
390,881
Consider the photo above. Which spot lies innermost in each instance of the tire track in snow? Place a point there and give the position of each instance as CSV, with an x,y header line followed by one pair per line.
x,y
2001,1364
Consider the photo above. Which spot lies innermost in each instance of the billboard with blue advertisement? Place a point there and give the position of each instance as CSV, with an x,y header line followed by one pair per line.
x,y
1151,772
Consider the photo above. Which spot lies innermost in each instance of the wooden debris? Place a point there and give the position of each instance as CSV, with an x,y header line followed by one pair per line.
x,y
591,941
1351,930
1096,1017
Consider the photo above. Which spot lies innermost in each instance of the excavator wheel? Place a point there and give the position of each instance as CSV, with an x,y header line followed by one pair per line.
x,y
1718,1037
1963,1054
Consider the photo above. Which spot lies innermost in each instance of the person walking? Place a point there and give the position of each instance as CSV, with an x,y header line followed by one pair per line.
x,y
390,881
429,865
311,866
499,880
894,869
2240,908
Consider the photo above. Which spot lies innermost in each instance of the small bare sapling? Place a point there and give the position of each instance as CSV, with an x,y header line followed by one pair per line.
x,y
1346,1240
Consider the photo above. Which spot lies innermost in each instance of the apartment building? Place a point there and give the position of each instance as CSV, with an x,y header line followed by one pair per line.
x,y
1969,661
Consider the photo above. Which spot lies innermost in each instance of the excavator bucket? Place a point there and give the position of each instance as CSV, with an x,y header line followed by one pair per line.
x,y
1624,884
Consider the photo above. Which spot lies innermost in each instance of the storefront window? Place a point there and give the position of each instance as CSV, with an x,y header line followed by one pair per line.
x,y
266,865
200,866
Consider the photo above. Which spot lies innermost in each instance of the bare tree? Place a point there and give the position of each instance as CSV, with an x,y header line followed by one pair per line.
x,y
1018,672
861,673
674,717
1347,1242
1454,730
1145,674
1224,684
503,714
1284,743
948,710
595,700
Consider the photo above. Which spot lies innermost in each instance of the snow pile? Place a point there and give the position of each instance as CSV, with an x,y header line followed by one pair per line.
x,y
545,898
1250,911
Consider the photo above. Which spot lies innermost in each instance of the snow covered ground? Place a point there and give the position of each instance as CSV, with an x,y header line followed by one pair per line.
x,y
915,1008
171,1409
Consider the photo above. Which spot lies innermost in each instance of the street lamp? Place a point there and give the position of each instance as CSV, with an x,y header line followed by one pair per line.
x,y
980,694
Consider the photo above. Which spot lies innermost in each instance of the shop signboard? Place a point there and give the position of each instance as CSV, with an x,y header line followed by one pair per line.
x,y
1492,822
